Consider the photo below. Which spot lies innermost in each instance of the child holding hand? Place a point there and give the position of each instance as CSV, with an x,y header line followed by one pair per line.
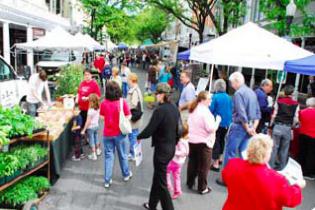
x,y
175,166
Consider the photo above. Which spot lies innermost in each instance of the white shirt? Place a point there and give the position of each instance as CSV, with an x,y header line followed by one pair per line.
x,y
124,74
36,85
95,116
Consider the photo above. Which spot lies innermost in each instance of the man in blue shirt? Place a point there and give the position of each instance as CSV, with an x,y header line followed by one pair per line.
x,y
187,96
245,119
262,92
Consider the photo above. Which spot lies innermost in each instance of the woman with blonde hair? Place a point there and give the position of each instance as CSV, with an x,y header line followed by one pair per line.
x,y
135,102
252,184
202,129
115,76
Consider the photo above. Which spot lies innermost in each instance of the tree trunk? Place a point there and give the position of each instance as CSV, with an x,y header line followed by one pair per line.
x,y
92,21
200,34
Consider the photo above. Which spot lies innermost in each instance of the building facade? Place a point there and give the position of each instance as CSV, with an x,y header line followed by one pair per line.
x,y
27,20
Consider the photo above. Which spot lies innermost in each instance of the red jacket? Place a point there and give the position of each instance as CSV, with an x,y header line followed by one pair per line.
x,y
99,63
85,89
256,187
307,121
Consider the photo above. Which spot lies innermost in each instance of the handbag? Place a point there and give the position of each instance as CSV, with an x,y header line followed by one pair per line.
x,y
124,123
137,112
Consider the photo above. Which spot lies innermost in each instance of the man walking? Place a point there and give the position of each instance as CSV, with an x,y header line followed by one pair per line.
x,y
245,119
187,96
262,92
285,116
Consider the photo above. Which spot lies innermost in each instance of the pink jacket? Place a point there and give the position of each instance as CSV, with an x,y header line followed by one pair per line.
x,y
182,151
202,126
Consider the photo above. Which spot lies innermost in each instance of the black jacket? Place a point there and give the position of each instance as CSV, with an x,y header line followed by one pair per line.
x,y
163,128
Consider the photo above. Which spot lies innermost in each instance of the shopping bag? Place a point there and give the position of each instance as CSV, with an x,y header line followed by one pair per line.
x,y
138,153
149,97
124,122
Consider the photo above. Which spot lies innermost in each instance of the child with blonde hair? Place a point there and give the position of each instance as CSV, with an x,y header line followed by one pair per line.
x,y
175,166
91,126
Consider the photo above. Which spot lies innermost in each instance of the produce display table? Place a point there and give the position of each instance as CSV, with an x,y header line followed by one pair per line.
x,y
59,123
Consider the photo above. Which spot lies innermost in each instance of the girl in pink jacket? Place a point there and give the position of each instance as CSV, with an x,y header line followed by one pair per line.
x,y
175,166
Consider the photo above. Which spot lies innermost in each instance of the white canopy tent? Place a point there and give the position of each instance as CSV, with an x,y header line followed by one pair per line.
x,y
57,39
109,45
89,41
248,46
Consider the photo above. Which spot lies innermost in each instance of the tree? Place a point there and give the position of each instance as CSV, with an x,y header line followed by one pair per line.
x,y
104,12
194,16
150,24
275,12
196,12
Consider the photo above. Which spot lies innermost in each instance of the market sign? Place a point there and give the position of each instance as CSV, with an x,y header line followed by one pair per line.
x,y
281,77
38,32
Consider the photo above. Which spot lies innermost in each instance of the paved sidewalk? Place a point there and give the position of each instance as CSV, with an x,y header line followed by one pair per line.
x,y
80,186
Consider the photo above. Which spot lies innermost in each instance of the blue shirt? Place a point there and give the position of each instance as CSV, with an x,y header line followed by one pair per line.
x,y
245,106
222,105
188,94
263,101
78,120
164,76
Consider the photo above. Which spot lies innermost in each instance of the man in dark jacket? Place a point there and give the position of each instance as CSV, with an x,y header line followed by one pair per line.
x,y
262,96
163,129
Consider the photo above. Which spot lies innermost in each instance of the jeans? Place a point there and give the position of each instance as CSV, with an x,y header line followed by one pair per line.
x,y
77,140
124,89
236,142
281,135
133,141
120,143
32,108
174,169
93,137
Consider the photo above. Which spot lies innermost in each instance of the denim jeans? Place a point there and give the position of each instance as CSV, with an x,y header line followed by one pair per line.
x,y
281,135
133,141
125,89
93,137
110,144
236,142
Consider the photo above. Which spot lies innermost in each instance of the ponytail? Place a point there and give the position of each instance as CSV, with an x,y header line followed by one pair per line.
x,y
203,95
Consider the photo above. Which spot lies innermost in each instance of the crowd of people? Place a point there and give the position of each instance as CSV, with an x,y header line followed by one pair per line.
x,y
248,133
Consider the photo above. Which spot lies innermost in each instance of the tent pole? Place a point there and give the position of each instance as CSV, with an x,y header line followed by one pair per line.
x,y
252,79
211,77
15,59
266,74
278,92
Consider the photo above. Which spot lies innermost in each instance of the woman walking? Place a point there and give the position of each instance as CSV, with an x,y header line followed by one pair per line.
x,y
135,103
202,129
163,129
113,138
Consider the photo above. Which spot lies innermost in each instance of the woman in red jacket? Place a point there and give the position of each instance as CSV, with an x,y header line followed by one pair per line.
x,y
307,139
252,184
86,88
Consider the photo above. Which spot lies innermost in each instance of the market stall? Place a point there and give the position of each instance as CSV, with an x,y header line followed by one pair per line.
x,y
248,46
58,121
304,66
24,159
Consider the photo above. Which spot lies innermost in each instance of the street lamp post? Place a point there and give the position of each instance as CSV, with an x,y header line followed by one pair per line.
x,y
290,12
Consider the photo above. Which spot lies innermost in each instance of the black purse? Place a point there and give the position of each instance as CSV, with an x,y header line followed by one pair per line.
x,y
137,112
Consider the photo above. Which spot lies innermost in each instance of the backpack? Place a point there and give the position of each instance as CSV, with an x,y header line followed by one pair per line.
x,y
107,72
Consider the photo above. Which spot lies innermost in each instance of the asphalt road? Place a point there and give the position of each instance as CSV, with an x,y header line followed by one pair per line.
x,y
80,186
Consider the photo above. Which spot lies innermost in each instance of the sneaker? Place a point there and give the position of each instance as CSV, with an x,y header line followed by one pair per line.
x,y
309,178
92,156
98,151
82,156
75,159
131,157
127,178
107,185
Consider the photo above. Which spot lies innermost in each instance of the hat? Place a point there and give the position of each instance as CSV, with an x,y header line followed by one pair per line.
x,y
163,88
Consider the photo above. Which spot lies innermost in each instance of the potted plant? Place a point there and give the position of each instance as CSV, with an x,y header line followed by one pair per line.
x,y
4,141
